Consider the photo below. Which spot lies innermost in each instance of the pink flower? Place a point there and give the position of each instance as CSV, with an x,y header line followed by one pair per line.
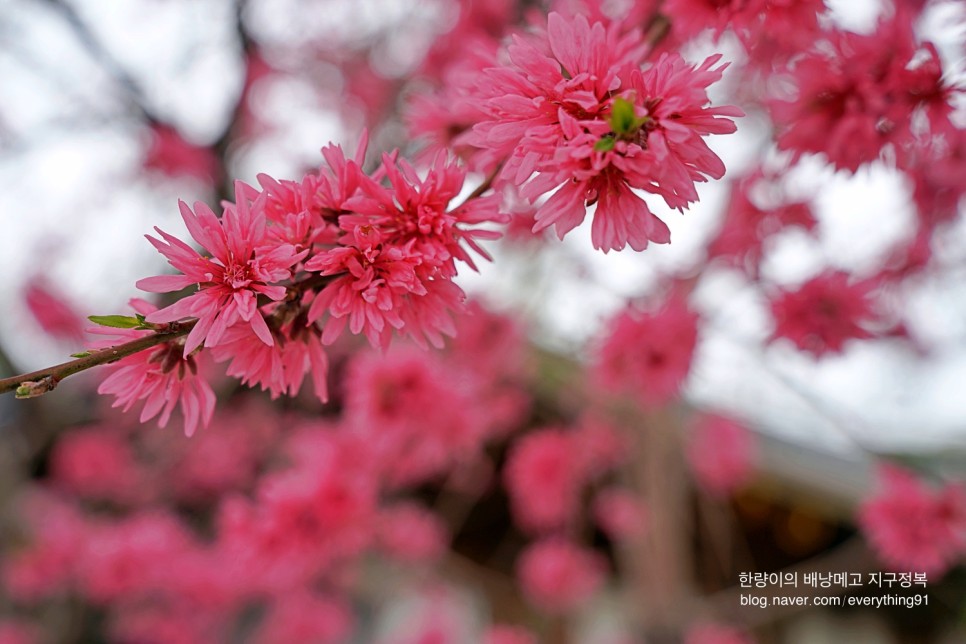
x,y
304,521
858,93
824,313
298,212
574,107
543,478
505,634
279,368
648,356
302,616
47,564
177,624
557,575
377,289
14,631
225,458
620,513
721,454
52,311
170,154
652,141
751,20
913,527
131,557
410,533
444,119
241,268
748,224
418,211
419,418
602,446
97,464
164,377
394,262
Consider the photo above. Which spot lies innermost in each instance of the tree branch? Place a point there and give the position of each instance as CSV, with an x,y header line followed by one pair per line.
x,y
40,382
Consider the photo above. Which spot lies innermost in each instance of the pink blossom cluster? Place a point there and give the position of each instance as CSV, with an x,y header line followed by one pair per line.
x,y
647,355
825,312
913,526
294,522
577,118
769,29
549,473
288,267
856,94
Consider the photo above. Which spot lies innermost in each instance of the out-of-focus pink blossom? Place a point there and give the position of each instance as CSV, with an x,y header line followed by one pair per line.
x,y
543,477
913,527
419,417
557,575
170,154
130,557
601,446
721,453
648,356
305,617
14,631
825,312
412,534
303,521
748,225
857,93
55,315
171,622
505,634
224,458
47,565
97,464
620,513
751,20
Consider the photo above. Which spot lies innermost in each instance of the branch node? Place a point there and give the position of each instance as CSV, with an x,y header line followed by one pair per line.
x,y
34,388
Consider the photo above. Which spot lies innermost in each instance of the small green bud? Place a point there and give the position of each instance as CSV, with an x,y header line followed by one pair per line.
x,y
622,117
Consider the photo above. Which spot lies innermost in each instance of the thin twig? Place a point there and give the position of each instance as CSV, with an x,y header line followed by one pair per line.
x,y
44,380
483,187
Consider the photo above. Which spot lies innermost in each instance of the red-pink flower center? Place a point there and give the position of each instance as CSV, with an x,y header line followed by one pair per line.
x,y
239,276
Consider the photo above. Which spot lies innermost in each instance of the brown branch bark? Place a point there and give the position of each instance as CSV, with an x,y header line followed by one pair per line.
x,y
41,381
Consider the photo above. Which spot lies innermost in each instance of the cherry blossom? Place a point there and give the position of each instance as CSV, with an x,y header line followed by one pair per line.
x,y
241,268
912,526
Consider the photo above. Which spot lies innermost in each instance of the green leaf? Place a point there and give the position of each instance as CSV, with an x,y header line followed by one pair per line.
x,y
82,354
622,117
605,144
116,321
